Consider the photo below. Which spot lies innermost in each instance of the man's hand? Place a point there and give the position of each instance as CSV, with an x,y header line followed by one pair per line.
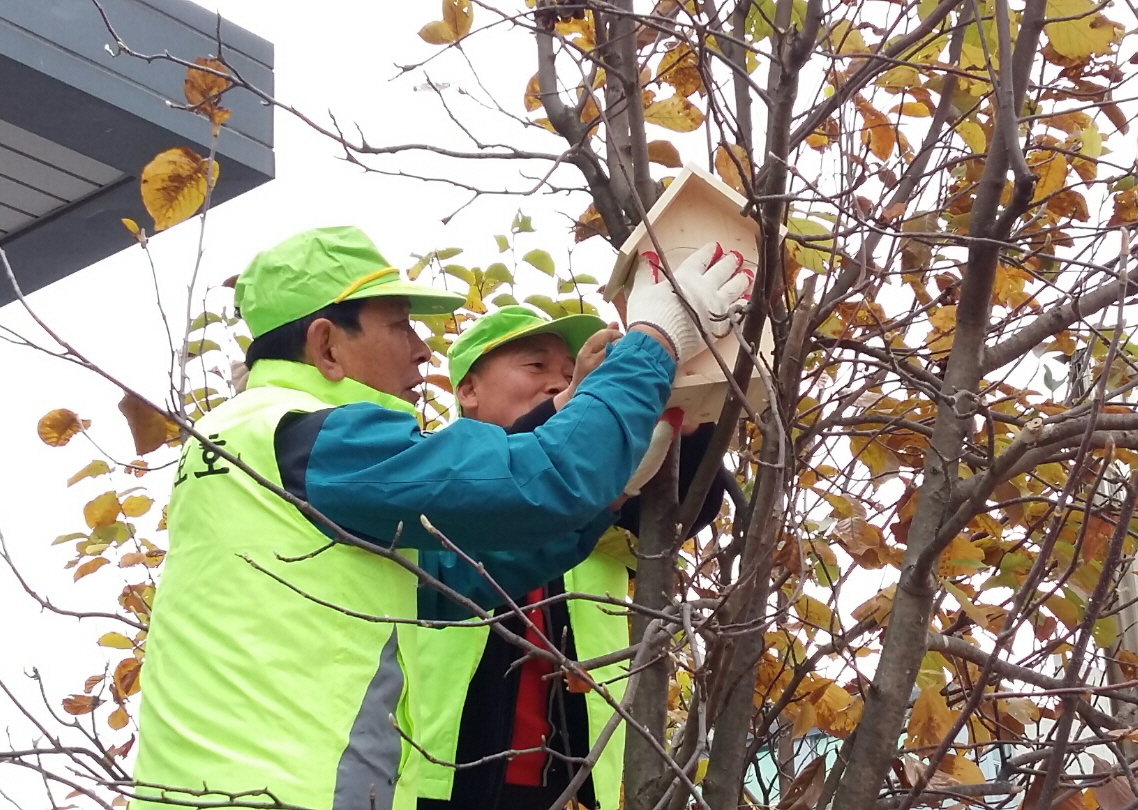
x,y
591,355
710,279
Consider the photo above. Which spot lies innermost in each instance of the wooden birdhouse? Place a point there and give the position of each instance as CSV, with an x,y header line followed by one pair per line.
x,y
695,209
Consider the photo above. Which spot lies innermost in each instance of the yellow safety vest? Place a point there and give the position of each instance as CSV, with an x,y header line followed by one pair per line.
x,y
248,685
448,658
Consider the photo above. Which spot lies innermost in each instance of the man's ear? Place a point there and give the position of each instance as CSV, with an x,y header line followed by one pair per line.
x,y
467,396
322,348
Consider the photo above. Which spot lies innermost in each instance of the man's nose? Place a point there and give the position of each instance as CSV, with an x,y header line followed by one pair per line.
x,y
555,385
421,352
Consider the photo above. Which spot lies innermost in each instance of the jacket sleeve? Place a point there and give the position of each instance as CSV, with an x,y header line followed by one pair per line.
x,y
517,574
370,469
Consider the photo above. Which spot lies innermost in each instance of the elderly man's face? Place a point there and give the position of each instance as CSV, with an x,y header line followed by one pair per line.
x,y
513,379
385,354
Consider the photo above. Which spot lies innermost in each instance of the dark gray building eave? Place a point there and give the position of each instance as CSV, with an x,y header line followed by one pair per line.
x,y
59,83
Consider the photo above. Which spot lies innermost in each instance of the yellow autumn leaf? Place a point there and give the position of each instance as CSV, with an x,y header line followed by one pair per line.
x,y
961,558
836,711
1052,170
458,14
675,113
174,186
973,136
118,719
1080,31
126,677
664,153
532,98
729,158
474,301
815,614
878,134
95,468
963,770
116,641
870,451
818,140
102,510
989,617
136,505
203,89
845,39
590,223
545,124
913,109
437,33
1090,149
943,319
56,428
772,678
901,77
679,67
89,567
135,231
930,719
876,607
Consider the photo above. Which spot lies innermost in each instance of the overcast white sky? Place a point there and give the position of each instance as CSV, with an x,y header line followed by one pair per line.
x,y
338,54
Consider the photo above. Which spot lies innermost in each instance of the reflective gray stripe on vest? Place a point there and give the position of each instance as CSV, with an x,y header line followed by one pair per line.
x,y
365,777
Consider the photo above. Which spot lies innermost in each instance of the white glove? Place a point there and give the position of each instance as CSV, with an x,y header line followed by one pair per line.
x,y
663,435
710,279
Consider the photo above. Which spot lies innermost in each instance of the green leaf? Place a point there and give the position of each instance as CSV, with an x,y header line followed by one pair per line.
x,y
521,224
762,13
115,534
541,260
547,305
575,306
244,342
1105,632
414,270
505,299
447,253
95,468
503,243
815,254
499,272
584,278
204,320
68,538
437,343
458,271
566,287
196,348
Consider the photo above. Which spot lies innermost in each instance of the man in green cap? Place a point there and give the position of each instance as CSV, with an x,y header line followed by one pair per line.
x,y
516,368
281,667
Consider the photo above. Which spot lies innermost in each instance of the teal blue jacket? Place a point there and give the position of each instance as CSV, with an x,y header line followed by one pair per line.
x,y
529,506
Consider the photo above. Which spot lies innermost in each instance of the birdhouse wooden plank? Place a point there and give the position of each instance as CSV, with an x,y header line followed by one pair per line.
x,y
695,209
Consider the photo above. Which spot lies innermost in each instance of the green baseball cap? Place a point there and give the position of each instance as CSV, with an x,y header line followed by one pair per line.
x,y
512,323
325,266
